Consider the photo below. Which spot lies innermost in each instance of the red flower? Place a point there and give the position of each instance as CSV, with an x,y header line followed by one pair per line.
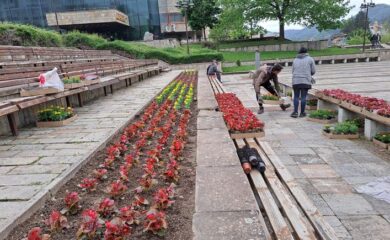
x,y
155,222
116,229
89,224
72,202
35,234
56,221
106,207
116,188
88,184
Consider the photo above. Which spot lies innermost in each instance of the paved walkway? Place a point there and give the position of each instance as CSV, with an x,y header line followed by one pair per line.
x,y
40,160
328,170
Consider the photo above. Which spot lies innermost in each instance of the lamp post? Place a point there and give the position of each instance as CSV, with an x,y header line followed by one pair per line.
x,y
185,5
365,5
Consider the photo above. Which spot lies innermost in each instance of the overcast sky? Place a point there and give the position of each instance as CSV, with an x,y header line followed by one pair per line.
x,y
273,26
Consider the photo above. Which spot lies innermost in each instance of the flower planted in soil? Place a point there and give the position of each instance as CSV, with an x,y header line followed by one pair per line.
x,y
116,229
57,221
90,224
162,200
172,172
139,202
129,215
176,148
72,203
88,184
124,172
155,222
106,207
383,137
116,189
146,182
322,114
100,174
36,234
129,160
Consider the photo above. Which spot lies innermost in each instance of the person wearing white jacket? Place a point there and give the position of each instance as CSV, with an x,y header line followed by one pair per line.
x,y
302,80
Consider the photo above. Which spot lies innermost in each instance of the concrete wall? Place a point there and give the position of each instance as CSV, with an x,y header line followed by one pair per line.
x,y
313,45
164,43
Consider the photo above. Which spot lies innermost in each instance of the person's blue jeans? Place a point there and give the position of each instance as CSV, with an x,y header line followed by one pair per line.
x,y
300,93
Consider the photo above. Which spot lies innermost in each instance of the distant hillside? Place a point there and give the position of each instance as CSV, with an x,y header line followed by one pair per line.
x,y
380,13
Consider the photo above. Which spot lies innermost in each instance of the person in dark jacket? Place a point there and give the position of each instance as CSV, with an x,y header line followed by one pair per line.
x,y
213,70
262,78
302,80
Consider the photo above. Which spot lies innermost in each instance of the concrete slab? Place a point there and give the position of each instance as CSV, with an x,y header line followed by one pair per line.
x,y
26,179
351,170
205,123
307,159
331,185
17,161
322,206
339,228
18,193
39,169
9,209
215,136
217,154
227,225
348,204
223,189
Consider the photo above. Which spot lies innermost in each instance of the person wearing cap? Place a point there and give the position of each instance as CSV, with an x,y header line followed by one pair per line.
x,y
302,79
262,77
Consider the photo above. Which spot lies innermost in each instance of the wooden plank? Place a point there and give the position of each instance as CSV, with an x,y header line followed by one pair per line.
x,y
298,221
278,223
323,229
9,109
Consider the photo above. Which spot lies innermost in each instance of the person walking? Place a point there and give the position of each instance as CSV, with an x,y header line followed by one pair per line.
x,y
262,78
302,80
213,70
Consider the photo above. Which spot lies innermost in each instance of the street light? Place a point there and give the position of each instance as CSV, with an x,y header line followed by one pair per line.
x,y
185,5
365,5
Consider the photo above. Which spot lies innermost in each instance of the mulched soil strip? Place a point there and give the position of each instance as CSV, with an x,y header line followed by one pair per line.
x,y
179,216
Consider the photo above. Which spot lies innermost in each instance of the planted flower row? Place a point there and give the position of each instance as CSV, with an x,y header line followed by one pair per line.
x,y
237,117
371,104
152,146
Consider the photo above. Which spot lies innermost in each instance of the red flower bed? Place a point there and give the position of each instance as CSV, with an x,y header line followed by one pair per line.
x,y
369,103
237,117
154,145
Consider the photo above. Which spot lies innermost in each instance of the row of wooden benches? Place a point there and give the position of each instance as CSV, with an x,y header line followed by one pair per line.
x,y
16,53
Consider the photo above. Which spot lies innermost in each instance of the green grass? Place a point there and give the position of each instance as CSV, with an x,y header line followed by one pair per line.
x,y
237,69
250,56
244,43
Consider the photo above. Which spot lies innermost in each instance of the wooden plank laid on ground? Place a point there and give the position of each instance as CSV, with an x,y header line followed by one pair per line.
x,y
323,229
278,223
298,221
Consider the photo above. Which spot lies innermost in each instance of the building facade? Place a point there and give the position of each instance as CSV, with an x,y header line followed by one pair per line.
x,y
125,19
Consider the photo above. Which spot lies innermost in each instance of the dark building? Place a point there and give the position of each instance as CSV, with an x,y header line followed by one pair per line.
x,y
126,19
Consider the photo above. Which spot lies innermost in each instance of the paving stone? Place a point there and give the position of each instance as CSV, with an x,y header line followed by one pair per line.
x,y
295,171
387,217
286,159
318,171
227,226
215,136
211,114
367,227
18,192
5,147
10,209
359,180
337,158
37,153
299,151
223,189
331,185
307,159
339,228
320,203
380,206
24,147
68,146
327,150
356,150
60,160
348,204
217,154
377,169
366,158
351,170
30,179
205,123
293,144
17,161
8,154
306,185
38,169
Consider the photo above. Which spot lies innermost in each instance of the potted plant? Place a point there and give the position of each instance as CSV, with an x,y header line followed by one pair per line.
x,y
382,140
55,116
270,99
73,82
322,116
311,104
344,130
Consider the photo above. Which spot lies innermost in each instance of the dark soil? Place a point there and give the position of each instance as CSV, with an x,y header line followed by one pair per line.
x,y
179,216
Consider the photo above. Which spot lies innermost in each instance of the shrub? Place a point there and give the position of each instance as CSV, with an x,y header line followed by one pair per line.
x,y
322,114
70,80
312,102
170,55
383,137
270,97
55,113
343,128
83,40
238,63
26,35
289,94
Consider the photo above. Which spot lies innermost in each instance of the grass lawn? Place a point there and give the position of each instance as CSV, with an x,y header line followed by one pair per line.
x,y
250,56
238,69
251,43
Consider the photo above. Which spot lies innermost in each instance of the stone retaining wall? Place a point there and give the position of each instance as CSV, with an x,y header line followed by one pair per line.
x,y
294,46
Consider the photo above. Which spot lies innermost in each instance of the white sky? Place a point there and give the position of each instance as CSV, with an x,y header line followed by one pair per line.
x,y
273,26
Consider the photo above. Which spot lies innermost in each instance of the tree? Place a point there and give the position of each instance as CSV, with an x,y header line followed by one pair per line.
x,y
355,22
323,14
203,14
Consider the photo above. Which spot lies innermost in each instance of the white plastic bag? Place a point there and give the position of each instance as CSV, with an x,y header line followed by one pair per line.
x,y
51,79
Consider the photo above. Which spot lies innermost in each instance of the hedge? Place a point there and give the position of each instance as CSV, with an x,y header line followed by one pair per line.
x,y
27,35
83,40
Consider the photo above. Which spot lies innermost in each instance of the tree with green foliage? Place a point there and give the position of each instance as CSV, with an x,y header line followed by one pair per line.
x,y
324,14
204,14
354,23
